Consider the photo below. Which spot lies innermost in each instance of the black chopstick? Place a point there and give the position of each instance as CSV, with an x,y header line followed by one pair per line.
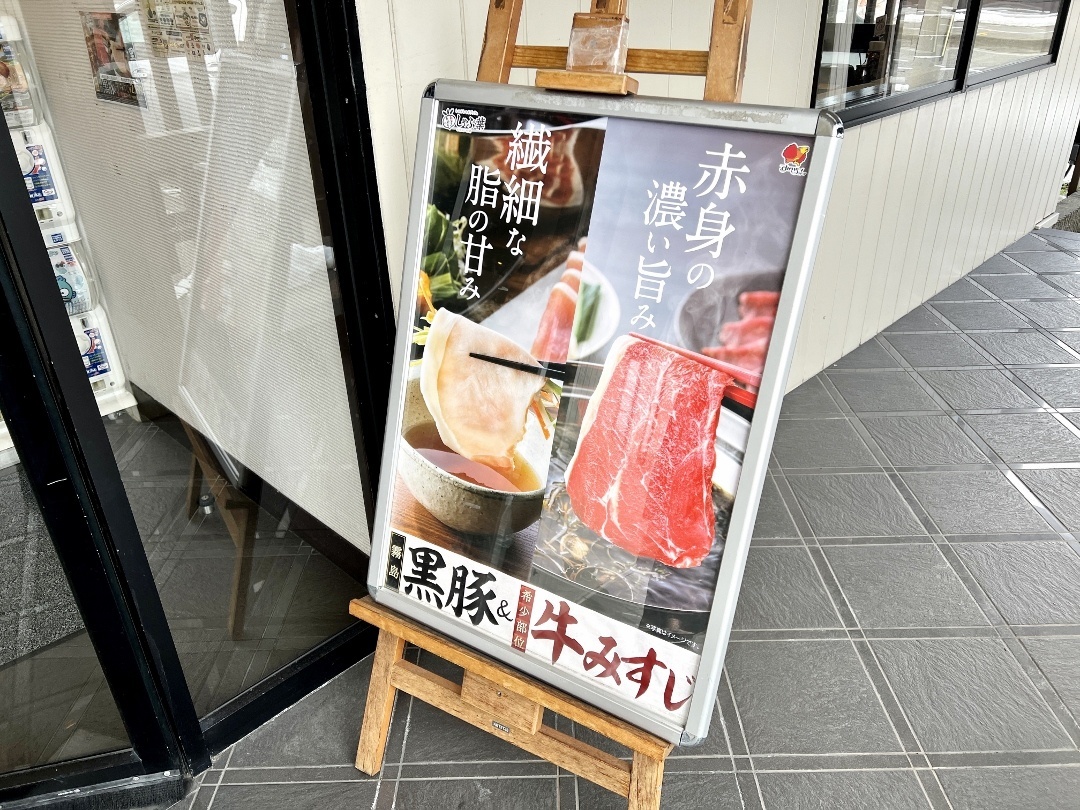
x,y
541,370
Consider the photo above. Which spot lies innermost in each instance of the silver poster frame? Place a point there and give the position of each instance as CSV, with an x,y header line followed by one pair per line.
x,y
826,130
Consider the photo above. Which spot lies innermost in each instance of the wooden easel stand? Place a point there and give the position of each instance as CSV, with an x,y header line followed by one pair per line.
x,y
503,703
491,696
722,65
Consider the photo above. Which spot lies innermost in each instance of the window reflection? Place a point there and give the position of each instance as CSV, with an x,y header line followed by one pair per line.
x,y
873,49
1013,31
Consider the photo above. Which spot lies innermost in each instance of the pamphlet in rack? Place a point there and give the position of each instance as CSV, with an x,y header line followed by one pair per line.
x,y
16,92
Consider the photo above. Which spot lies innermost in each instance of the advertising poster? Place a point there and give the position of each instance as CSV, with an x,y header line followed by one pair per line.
x,y
110,57
595,299
178,28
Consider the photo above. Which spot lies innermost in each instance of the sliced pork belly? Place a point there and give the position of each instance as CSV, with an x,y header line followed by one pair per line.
x,y
552,342
641,474
479,407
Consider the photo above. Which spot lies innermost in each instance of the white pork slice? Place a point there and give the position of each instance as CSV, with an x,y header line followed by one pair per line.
x,y
479,407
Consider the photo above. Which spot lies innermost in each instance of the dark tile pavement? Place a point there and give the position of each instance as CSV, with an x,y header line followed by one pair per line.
x,y
54,701
908,635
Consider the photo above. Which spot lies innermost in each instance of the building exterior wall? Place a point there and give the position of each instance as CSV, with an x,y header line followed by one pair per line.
x,y
920,198
923,196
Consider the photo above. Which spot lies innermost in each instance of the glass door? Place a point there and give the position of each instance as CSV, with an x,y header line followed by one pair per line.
x,y
231,317
78,699
55,703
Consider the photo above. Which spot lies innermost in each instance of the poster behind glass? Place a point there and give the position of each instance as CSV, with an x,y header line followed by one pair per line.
x,y
595,298
108,44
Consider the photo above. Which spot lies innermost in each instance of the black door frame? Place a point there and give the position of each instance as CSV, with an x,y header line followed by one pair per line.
x,y
62,442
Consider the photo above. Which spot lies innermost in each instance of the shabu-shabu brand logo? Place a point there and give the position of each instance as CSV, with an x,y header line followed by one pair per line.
x,y
794,159
461,120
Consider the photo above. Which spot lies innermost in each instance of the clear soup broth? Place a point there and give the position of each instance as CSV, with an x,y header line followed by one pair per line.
x,y
425,440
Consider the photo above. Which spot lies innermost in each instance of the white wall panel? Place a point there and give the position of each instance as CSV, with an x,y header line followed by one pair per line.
x,y
942,202
977,182
822,295
1063,111
876,181
889,187
895,245
930,167
959,242
845,264
1012,108
917,180
996,164
760,52
920,199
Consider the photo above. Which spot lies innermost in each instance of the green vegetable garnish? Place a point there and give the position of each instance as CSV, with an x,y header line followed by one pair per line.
x,y
442,253
585,317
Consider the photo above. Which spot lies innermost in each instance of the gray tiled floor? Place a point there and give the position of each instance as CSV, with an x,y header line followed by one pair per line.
x,y
54,701
909,630
293,593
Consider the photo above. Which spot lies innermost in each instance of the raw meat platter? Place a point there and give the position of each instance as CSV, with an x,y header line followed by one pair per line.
x,y
576,562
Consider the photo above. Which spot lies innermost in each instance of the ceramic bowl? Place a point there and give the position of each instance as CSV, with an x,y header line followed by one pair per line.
x,y
459,504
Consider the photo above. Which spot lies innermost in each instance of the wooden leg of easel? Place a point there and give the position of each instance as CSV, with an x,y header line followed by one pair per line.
x,y
503,703
194,490
726,62
646,779
380,703
500,39
242,518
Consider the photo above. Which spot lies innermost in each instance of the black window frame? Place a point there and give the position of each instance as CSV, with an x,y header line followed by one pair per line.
x,y
964,79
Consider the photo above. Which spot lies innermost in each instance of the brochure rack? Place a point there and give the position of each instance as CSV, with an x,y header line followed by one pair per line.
x,y
26,115
503,703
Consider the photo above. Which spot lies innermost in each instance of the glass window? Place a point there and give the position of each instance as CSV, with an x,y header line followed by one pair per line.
x,y
174,188
874,49
1013,31
54,702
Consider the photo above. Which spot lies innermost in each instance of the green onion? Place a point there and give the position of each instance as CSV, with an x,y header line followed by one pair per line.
x,y
588,306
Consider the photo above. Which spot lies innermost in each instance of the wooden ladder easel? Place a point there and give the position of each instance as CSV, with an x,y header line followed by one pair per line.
x,y
491,696
504,703
722,64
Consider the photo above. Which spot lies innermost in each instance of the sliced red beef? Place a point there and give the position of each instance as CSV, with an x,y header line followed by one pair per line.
x,y
758,302
748,330
642,473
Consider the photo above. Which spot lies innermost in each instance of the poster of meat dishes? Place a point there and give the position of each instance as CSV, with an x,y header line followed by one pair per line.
x,y
596,324
110,57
